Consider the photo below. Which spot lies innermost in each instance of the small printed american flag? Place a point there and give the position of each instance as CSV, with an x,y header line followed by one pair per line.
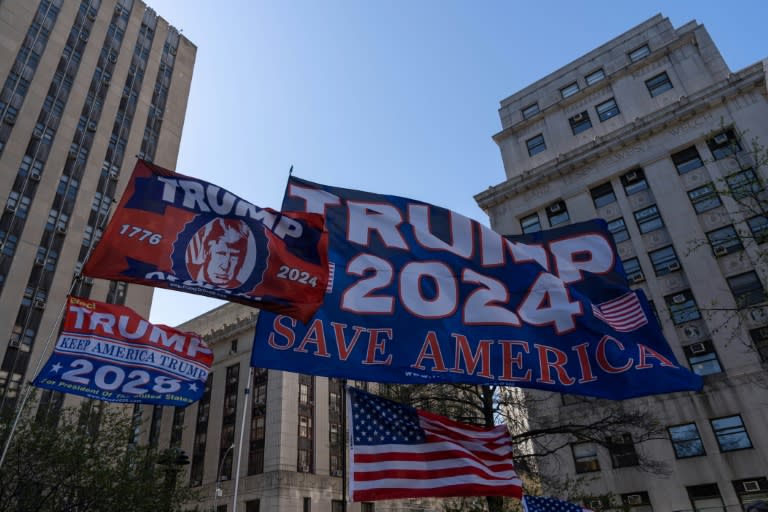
x,y
397,451
623,314
547,504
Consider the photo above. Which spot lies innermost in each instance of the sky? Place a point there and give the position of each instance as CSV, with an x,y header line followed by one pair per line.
x,y
397,97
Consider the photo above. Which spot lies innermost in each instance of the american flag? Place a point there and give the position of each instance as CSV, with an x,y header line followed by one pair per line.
x,y
547,504
401,452
623,314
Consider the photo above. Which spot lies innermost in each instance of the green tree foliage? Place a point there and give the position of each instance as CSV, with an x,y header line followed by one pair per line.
x,y
83,461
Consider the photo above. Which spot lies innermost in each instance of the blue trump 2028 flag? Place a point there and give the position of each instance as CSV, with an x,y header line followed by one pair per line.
x,y
421,294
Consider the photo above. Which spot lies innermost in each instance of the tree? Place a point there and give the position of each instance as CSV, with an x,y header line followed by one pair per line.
x,y
83,461
492,405
740,199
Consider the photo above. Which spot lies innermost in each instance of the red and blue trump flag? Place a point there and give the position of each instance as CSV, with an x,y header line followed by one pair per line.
x,y
421,294
109,352
173,231
397,451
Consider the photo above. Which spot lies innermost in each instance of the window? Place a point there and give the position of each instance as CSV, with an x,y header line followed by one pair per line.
x,y
306,504
751,491
744,184
622,450
747,289
304,461
687,160
569,90
639,53
580,122
304,394
649,219
633,270
724,241
305,426
702,358
557,213
723,144
595,76
252,506
607,110
634,181
531,223
530,111
759,227
664,260
682,307
636,502
585,457
536,145
619,230
731,433
704,198
686,441
366,507
706,497
337,506
760,341
603,195
658,84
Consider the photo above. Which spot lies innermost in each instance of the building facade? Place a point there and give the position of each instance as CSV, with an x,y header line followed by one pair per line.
x,y
653,132
86,87
293,446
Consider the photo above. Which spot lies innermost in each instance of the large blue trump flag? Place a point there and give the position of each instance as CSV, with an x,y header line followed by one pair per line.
x,y
421,294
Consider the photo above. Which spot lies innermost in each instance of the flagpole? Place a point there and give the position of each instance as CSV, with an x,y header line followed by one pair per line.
x,y
246,394
344,448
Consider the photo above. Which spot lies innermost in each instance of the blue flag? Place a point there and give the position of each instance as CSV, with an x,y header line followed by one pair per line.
x,y
547,504
421,294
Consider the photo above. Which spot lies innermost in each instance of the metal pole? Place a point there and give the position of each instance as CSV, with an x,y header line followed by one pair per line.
x,y
218,476
246,394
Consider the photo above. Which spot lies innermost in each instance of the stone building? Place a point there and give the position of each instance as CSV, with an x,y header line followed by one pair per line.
x,y
86,86
652,132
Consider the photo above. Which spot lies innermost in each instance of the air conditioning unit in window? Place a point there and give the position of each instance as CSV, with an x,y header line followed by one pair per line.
x,y
336,472
61,230
555,208
578,117
631,176
10,208
673,266
39,261
758,315
92,126
304,469
595,503
34,175
15,341
91,17
118,10
638,278
37,133
112,58
721,138
721,250
72,154
84,37
10,119
750,485
634,499
113,175
88,281
172,51
617,439
38,304
679,298
697,348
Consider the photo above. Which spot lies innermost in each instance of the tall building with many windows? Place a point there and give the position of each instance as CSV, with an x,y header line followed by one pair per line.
x,y
653,132
86,86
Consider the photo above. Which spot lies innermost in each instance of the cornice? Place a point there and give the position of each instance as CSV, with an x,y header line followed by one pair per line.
x,y
641,128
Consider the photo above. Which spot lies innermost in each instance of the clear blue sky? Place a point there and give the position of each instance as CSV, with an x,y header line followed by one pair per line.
x,y
396,97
